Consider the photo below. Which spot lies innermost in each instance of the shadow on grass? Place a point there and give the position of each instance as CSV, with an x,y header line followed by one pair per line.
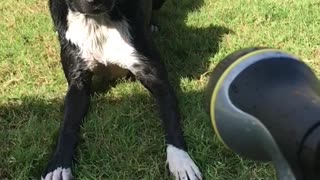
x,y
21,129
119,135
116,137
185,49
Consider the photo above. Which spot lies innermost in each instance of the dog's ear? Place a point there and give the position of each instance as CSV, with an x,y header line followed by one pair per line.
x,y
157,4
58,11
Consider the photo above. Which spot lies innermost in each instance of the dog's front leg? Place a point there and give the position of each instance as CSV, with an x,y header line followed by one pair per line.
x,y
75,107
152,74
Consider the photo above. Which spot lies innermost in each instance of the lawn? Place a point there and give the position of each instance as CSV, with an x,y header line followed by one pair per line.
x,y
122,137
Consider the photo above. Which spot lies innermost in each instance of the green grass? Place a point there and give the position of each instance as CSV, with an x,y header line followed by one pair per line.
x,y
122,137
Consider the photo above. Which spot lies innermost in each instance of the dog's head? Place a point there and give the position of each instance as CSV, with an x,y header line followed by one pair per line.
x,y
91,6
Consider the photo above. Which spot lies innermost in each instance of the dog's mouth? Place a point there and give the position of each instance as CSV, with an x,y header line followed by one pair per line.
x,y
97,10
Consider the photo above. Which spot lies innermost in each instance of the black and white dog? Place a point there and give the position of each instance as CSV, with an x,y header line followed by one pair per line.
x,y
115,34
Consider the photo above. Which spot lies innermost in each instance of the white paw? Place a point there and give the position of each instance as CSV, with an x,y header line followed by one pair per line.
x,y
59,174
154,28
181,165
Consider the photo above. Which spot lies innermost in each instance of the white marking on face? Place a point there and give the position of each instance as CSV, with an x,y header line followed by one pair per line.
x,y
59,174
181,165
101,40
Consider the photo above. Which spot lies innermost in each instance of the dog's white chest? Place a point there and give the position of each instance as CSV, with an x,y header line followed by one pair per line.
x,y
101,40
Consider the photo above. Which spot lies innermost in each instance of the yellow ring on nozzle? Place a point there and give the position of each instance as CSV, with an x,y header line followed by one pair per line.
x,y
221,80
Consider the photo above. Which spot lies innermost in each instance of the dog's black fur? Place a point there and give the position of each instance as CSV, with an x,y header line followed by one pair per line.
x,y
151,72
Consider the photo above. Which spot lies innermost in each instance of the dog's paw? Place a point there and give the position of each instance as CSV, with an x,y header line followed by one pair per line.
x,y
58,174
181,165
59,168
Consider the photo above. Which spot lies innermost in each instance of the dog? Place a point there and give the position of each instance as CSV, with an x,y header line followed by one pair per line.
x,y
115,34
